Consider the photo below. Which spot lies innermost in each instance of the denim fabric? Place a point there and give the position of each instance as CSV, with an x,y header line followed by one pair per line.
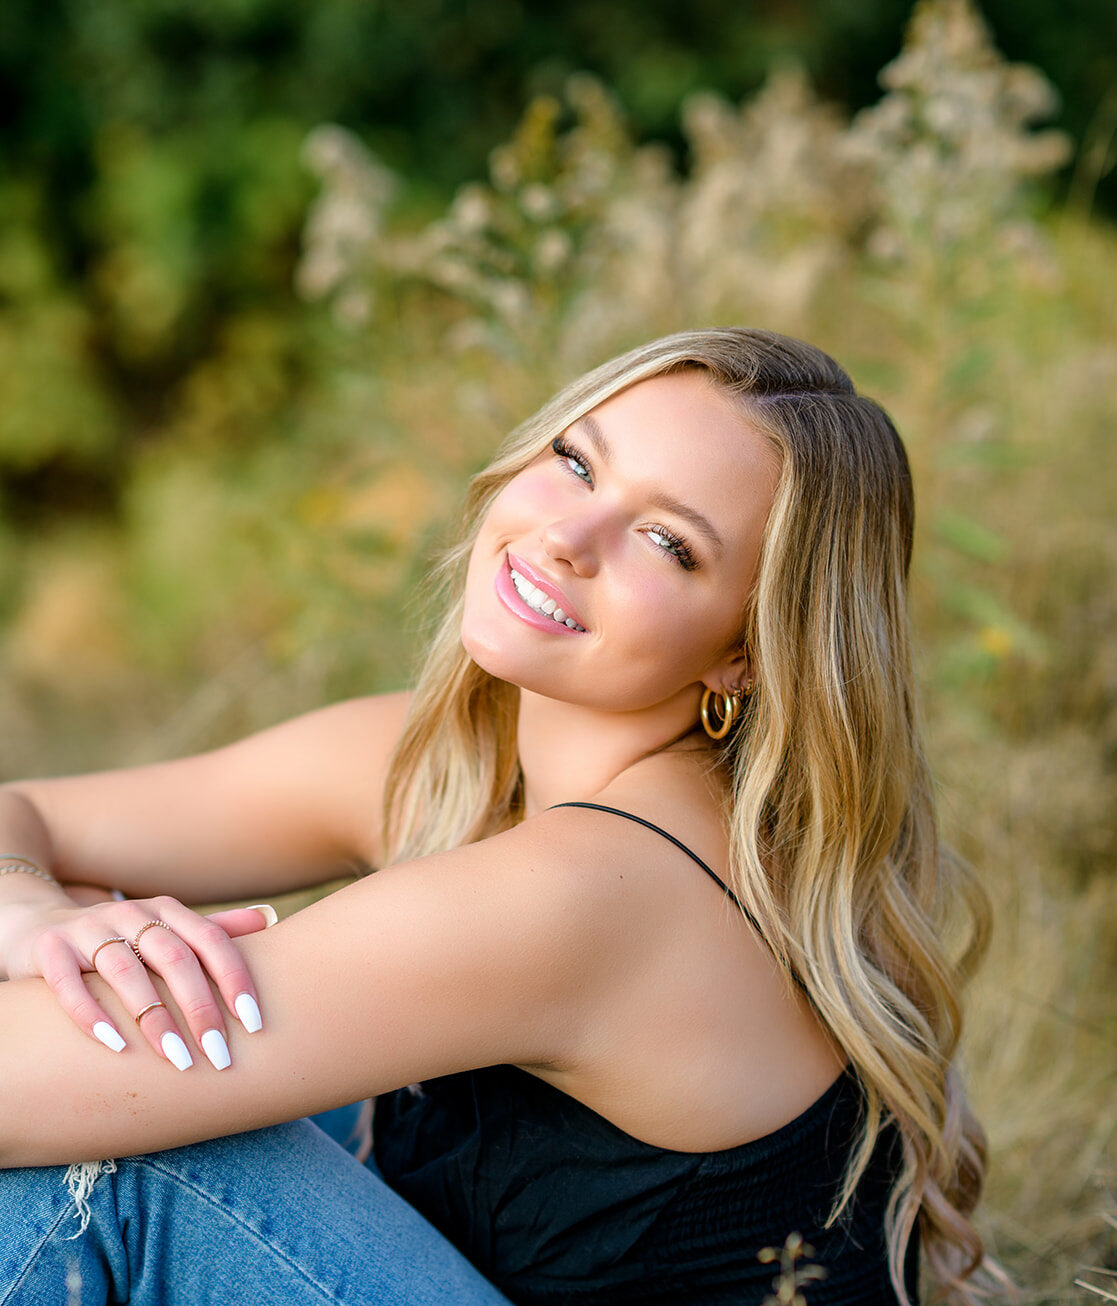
x,y
278,1217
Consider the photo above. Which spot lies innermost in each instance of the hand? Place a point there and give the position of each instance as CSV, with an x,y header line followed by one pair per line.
x,y
59,945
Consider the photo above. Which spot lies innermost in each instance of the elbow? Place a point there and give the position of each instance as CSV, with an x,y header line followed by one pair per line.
x,y
23,820
9,1141
17,803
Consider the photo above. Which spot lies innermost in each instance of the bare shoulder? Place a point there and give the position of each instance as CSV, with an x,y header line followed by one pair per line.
x,y
695,1039
641,891
676,793
611,844
617,885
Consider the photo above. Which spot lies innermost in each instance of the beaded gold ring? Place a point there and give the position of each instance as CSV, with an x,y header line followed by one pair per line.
x,y
142,930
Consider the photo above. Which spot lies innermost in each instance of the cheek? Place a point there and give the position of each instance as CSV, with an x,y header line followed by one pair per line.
x,y
524,503
662,626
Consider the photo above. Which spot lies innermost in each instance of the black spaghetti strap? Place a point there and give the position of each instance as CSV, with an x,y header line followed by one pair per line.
x,y
631,816
599,807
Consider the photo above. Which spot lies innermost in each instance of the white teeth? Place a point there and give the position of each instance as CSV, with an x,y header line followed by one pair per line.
x,y
539,602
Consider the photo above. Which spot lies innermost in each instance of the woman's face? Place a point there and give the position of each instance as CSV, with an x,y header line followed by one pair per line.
x,y
642,525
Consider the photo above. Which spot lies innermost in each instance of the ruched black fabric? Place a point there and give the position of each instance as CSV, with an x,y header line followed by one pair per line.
x,y
559,1207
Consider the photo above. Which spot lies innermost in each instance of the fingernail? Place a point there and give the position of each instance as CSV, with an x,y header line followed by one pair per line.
x,y
176,1052
267,911
105,1033
215,1047
249,1013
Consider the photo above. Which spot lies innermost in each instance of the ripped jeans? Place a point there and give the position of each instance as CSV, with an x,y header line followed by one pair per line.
x,y
284,1216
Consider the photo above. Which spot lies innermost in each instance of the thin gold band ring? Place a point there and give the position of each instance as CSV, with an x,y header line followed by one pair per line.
x,y
116,938
150,1007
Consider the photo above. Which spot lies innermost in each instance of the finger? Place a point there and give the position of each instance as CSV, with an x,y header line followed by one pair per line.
x,y
62,970
221,958
173,957
126,975
238,921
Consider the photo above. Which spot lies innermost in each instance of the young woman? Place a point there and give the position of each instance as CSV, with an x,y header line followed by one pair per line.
x,y
657,944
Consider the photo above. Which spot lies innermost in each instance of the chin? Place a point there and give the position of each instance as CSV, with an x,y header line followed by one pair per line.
x,y
490,654
502,663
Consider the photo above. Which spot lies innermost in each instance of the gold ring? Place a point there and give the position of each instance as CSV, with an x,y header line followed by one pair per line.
x,y
116,938
150,1007
140,931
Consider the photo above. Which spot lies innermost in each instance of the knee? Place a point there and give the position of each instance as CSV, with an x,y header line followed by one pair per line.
x,y
54,1195
57,1225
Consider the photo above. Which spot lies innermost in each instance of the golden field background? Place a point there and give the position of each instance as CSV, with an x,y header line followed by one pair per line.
x,y
268,537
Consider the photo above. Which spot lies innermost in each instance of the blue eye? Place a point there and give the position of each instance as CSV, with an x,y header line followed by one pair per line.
x,y
673,545
575,463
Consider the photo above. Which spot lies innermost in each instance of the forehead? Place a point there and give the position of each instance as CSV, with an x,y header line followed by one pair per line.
x,y
683,434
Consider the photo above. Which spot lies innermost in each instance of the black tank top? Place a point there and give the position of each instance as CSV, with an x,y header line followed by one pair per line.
x,y
557,1206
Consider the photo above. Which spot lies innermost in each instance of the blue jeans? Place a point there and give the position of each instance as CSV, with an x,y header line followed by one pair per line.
x,y
279,1217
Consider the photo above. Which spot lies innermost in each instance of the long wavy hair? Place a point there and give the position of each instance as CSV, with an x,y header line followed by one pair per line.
x,y
828,801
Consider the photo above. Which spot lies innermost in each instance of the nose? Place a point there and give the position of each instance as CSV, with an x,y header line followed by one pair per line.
x,y
575,540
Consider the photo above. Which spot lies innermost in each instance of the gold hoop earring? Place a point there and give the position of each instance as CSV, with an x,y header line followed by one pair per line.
x,y
728,710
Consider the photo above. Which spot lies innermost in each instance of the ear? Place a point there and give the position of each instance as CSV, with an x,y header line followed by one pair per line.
x,y
732,672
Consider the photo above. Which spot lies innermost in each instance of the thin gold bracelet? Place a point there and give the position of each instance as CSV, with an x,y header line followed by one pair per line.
x,y
21,866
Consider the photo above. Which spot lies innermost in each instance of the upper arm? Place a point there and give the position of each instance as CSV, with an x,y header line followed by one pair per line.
x,y
289,806
481,956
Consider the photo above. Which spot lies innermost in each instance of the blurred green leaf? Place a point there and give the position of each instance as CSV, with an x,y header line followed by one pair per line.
x,y
970,537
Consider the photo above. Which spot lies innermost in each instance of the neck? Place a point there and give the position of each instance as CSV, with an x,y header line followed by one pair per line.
x,y
569,752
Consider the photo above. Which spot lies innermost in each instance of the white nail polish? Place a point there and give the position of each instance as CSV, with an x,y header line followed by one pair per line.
x,y
176,1052
249,1013
267,911
105,1034
215,1047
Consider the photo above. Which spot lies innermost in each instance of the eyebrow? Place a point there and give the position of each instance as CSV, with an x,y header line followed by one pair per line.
x,y
658,498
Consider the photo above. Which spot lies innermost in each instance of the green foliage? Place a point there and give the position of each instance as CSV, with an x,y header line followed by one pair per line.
x,y
54,405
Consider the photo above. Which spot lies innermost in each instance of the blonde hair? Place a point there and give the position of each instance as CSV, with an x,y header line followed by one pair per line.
x,y
829,808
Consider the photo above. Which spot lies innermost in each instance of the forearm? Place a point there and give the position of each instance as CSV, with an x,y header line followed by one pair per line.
x,y
58,1083
24,835
64,1098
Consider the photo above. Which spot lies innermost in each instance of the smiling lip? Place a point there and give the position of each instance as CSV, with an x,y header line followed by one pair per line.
x,y
507,593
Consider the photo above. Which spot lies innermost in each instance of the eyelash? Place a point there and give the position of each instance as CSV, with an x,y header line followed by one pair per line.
x,y
681,550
